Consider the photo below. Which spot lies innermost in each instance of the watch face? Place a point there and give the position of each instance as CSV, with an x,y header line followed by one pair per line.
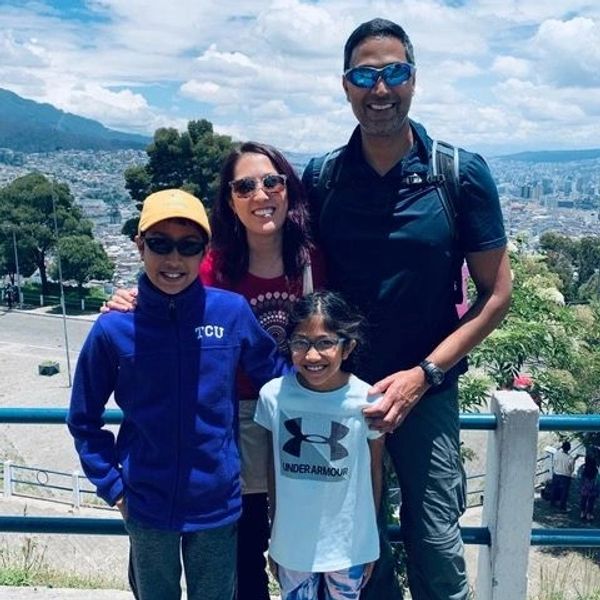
x,y
433,374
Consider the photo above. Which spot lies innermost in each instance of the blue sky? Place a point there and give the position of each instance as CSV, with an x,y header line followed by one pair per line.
x,y
493,75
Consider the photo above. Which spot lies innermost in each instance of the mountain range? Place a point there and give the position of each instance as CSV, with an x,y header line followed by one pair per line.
x,y
28,126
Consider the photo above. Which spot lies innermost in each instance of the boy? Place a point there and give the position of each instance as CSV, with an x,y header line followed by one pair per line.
x,y
173,470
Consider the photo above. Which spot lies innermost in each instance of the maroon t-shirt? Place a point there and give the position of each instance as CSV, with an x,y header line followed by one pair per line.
x,y
270,300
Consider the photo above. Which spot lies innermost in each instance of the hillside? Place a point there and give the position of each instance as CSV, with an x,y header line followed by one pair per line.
x,y
28,126
546,156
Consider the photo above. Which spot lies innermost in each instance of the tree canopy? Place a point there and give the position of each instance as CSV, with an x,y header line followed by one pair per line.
x,y
27,208
82,259
190,160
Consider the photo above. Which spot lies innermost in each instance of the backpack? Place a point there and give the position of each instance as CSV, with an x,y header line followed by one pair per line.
x,y
443,173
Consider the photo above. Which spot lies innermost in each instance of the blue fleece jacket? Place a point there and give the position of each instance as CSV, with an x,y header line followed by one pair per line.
x,y
171,365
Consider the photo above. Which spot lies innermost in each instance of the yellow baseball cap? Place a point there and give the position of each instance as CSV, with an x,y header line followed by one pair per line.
x,y
172,204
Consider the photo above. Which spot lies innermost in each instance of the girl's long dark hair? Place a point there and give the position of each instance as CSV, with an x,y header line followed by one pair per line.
x,y
338,317
228,234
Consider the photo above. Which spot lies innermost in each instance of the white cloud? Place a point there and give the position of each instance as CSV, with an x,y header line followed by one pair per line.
x,y
489,71
569,51
509,66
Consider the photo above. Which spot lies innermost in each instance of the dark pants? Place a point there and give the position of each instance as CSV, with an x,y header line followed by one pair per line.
x,y
253,541
587,503
425,451
208,561
560,490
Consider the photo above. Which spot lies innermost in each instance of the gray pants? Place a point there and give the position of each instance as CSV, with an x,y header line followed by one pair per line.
x,y
208,559
426,455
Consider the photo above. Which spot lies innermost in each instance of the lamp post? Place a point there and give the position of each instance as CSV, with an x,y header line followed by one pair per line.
x,y
60,280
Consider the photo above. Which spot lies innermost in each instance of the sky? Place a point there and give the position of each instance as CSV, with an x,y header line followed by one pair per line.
x,y
495,76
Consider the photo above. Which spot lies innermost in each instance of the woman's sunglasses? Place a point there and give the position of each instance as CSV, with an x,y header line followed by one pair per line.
x,y
248,186
166,245
393,74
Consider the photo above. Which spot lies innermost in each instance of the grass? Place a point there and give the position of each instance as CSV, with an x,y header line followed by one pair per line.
x,y
26,566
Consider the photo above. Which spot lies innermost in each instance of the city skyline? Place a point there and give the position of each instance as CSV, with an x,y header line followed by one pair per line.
x,y
494,76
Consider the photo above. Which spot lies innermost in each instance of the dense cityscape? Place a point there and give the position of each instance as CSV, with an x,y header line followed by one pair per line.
x,y
536,196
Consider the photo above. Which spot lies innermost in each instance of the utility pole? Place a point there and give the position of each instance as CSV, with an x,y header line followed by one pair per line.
x,y
62,290
14,237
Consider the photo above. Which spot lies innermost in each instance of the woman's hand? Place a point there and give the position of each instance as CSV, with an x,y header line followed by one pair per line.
x,y
122,301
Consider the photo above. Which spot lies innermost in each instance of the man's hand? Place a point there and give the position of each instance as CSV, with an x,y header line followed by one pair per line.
x,y
120,504
401,391
121,300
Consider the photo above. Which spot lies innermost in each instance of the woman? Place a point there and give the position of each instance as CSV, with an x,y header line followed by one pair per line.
x,y
261,249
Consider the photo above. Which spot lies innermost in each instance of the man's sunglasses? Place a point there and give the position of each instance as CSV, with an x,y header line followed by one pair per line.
x,y
248,186
166,245
393,74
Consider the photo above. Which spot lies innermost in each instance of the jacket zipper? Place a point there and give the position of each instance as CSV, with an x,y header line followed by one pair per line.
x,y
173,319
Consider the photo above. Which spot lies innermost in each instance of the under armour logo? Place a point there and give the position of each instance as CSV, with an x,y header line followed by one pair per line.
x,y
338,432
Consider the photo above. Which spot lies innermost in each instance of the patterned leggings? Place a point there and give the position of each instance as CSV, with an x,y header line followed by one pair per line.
x,y
338,585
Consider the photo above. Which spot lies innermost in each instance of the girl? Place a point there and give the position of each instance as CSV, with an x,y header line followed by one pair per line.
x,y
589,488
327,462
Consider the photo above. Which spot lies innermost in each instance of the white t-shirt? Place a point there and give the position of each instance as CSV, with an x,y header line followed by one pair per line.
x,y
325,515
563,464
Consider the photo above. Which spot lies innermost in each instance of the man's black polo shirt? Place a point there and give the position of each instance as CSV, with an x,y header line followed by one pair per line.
x,y
391,252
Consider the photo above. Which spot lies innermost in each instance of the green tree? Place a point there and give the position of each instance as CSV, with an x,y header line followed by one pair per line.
x,y
8,264
554,342
190,160
27,204
82,259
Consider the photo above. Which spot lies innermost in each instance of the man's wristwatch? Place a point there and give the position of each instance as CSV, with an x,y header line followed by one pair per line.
x,y
433,374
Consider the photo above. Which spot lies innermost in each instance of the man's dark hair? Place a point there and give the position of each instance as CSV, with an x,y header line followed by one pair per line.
x,y
377,28
566,446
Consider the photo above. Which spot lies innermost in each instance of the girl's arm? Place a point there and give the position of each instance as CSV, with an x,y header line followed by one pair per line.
x,y
271,498
376,447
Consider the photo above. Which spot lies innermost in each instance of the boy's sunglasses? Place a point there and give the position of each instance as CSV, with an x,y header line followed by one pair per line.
x,y
393,74
248,186
166,245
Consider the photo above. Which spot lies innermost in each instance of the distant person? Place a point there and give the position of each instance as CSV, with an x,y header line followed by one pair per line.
x,y
393,250
589,488
174,468
261,249
563,465
9,295
327,462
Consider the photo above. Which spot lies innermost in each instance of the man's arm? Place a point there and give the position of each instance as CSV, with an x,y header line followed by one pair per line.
x,y
490,271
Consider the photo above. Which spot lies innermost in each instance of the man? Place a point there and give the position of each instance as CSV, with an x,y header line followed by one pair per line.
x,y
391,251
563,465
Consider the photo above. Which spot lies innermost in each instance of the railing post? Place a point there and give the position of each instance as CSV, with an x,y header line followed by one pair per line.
x,y
7,478
82,304
508,502
41,300
76,490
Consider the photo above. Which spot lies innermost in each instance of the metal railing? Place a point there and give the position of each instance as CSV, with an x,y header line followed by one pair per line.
x,y
471,535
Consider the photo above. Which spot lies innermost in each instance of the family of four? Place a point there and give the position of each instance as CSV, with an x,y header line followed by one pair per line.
x,y
256,409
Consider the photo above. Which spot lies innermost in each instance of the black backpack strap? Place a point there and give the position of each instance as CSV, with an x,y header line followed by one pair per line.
x,y
444,164
325,174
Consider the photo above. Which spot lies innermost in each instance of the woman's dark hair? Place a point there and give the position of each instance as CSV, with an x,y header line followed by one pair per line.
x,y
338,316
229,235
377,28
